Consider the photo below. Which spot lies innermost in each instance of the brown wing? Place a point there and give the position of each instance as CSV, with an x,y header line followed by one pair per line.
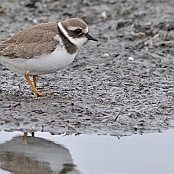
x,y
31,42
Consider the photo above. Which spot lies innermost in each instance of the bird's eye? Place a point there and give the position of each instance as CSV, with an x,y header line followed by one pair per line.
x,y
78,31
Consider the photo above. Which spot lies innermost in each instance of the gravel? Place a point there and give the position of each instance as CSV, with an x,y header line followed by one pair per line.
x,y
122,85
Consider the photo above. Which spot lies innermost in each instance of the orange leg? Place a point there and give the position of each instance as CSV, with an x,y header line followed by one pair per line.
x,y
34,80
36,92
24,137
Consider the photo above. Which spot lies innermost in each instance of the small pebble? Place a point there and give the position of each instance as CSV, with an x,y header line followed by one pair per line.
x,y
131,58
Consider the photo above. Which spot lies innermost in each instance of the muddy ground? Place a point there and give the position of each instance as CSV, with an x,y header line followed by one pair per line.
x,y
122,85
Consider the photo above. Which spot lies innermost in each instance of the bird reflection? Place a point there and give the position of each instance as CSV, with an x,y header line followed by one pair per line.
x,y
33,155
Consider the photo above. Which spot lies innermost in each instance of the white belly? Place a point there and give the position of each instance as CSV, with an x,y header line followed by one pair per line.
x,y
44,64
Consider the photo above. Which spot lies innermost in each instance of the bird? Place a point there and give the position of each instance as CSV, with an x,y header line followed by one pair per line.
x,y
44,48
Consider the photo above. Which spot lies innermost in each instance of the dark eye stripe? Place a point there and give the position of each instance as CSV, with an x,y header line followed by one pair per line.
x,y
78,31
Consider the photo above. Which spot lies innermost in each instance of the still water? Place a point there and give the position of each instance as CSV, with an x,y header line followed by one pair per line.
x,y
44,153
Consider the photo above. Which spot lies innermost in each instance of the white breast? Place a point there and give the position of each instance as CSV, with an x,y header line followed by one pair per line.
x,y
44,64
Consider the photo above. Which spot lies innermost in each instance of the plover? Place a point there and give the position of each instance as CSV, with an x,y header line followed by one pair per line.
x,y
44,48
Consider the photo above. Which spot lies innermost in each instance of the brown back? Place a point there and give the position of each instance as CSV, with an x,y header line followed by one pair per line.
x,y
31,42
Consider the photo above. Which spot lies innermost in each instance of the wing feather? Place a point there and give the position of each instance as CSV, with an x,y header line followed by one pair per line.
x,y
32,42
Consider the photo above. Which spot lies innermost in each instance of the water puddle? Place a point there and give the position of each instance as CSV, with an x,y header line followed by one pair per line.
x,y
44,153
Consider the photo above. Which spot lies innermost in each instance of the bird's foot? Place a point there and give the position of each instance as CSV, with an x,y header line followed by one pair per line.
x,y
39,94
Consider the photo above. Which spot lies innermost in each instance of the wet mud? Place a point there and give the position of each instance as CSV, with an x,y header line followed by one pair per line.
x,y
122,85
